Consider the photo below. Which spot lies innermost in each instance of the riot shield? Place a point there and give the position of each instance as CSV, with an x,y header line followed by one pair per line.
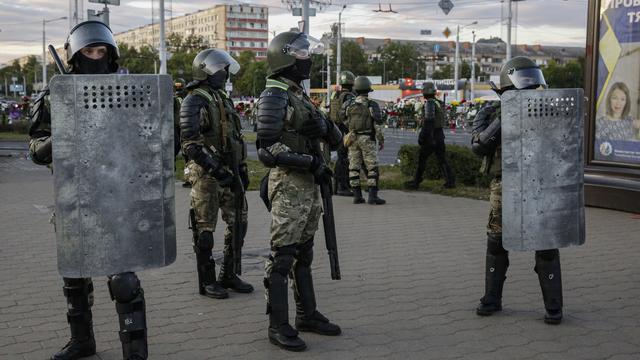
x,y
542,169
113,166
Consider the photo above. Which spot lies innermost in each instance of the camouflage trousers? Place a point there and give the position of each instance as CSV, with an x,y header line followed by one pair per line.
x,y
295,209
207,197
363,149
494,226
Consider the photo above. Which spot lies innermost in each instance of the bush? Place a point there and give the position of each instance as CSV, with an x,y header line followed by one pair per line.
x,y
20,127
464,164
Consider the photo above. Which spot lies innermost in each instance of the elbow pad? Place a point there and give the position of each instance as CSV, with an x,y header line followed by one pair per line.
x,y
40,151
376,114
190,116
334,137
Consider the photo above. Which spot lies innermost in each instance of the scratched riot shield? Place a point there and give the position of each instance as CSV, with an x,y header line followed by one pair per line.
x,y
113,167
542,169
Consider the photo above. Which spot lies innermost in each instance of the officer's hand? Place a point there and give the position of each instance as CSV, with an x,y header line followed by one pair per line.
x,y
224,177
314,127
321,173
381,146
244,176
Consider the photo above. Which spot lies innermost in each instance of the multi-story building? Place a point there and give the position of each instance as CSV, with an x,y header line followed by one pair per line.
x,y
234,28
490,53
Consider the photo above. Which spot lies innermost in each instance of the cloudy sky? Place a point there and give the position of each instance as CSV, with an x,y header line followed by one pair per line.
x,y
550,22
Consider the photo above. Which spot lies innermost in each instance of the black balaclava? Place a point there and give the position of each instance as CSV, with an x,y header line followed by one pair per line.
x,y
85,65
299,71
218,80
348,88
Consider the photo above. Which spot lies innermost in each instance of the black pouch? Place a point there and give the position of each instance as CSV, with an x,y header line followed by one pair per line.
x,y
264,191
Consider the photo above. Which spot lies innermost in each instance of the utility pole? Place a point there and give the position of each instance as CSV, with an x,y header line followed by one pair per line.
x,y
163,46
44,53
455,62
508,30
473,65
339,46
327,101
305,17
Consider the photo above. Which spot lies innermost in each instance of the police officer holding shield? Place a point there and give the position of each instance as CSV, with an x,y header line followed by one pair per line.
x,y
519,73
90,49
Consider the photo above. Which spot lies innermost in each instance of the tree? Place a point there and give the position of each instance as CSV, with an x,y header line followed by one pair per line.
x,y
251,79
569,75
399,60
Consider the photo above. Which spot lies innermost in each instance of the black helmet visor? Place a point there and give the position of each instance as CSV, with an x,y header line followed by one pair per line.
x,y
525,78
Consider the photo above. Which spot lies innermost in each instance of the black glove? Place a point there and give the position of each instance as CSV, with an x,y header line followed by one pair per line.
x,y
224,177
244,175
321,172
314,127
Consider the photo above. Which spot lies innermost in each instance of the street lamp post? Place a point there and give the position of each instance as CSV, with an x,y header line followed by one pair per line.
x,y
473,65
455,67
339,46
44,54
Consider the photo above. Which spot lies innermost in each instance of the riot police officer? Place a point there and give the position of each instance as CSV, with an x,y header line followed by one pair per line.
x,y
431,138
213,142
519,73
91,49
365,139
289,128
178,94
338,98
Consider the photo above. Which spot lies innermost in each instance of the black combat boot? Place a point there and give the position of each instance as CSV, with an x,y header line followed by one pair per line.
x,y
450,179
82,343
228,279
125,290
495,274
206,266
280,331
373,197
548,270
308,318
357,195
343,190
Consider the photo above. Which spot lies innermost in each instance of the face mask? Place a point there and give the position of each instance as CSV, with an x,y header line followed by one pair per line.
x,y
217,80
85,65
300,70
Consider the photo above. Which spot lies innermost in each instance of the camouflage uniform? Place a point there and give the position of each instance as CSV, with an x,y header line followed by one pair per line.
x,y
363,118
341,169
218,133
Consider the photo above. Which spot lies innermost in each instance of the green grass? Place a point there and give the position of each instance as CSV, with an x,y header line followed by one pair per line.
x,y
13,136
390,179
250,137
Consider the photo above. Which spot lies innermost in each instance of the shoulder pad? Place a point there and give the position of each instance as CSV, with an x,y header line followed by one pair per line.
x,y
272,110
190,115
483,117
192,85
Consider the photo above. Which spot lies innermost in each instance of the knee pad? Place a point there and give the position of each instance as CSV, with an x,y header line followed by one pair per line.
x,y
547,255
204,242
124,287
494,244
77,287
304,256
283,260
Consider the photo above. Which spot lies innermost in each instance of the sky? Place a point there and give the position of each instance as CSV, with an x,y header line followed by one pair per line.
x,y
546,22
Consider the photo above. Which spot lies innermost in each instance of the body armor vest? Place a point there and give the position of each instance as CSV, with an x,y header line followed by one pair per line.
x,y
336,105
220,124
359,117
298,110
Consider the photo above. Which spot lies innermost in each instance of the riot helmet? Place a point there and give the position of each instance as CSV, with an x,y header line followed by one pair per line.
x,y
521,73
290,52
362,85
209,62
429,89
91,34
346,79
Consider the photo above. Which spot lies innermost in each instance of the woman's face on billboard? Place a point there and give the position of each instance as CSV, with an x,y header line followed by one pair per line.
x,y
618,101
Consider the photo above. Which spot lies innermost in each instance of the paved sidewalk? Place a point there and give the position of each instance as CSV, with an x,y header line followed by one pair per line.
x,y
412,276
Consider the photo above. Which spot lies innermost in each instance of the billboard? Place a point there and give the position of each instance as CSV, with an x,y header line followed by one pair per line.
x,y
617,124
